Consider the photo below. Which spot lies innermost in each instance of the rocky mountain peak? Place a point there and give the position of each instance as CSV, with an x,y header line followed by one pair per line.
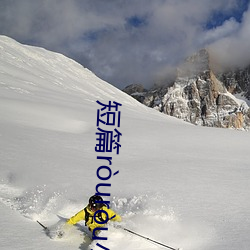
x,y
200,96
197,64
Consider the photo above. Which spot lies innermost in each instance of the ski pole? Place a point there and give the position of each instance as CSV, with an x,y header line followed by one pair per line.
x,y
45,228
159,243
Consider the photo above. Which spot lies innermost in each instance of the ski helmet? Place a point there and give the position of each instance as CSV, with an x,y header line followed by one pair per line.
x,y
95,202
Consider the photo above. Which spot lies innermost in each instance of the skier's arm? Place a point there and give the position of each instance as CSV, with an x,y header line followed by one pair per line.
x,y
114,216
77,217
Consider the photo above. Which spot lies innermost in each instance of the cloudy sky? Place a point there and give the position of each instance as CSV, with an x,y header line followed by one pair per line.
x,y
131,41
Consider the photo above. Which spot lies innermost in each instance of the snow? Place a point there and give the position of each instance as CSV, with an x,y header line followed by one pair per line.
x,y
182,185
242,99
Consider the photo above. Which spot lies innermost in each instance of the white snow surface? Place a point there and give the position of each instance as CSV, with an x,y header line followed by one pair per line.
x,y
182,185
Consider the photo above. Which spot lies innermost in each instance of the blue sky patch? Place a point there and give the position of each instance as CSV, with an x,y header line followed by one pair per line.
x,y
219,17
136,21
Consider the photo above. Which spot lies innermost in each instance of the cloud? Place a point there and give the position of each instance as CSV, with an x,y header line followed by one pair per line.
x,y
228,28
232,50
121,41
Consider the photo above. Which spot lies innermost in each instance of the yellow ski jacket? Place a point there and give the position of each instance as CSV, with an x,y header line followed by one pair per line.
x,y
89,217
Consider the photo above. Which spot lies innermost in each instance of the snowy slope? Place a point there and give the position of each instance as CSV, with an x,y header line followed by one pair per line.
x,y
182,185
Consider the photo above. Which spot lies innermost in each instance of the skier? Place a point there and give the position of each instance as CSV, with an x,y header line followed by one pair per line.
x,y
91,211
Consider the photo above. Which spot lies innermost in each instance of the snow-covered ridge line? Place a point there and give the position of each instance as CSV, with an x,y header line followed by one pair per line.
x,y
42,68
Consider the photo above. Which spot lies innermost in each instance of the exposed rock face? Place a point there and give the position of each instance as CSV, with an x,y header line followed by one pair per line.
x,y
237,81
134,88
199,97
137,91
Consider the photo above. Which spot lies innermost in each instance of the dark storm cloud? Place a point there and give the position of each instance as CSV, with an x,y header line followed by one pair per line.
x,y
132,41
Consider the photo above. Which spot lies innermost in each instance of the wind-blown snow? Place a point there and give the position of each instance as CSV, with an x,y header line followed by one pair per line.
x,y
179,184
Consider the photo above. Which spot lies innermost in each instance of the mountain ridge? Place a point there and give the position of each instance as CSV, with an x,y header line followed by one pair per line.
x,y
200,95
